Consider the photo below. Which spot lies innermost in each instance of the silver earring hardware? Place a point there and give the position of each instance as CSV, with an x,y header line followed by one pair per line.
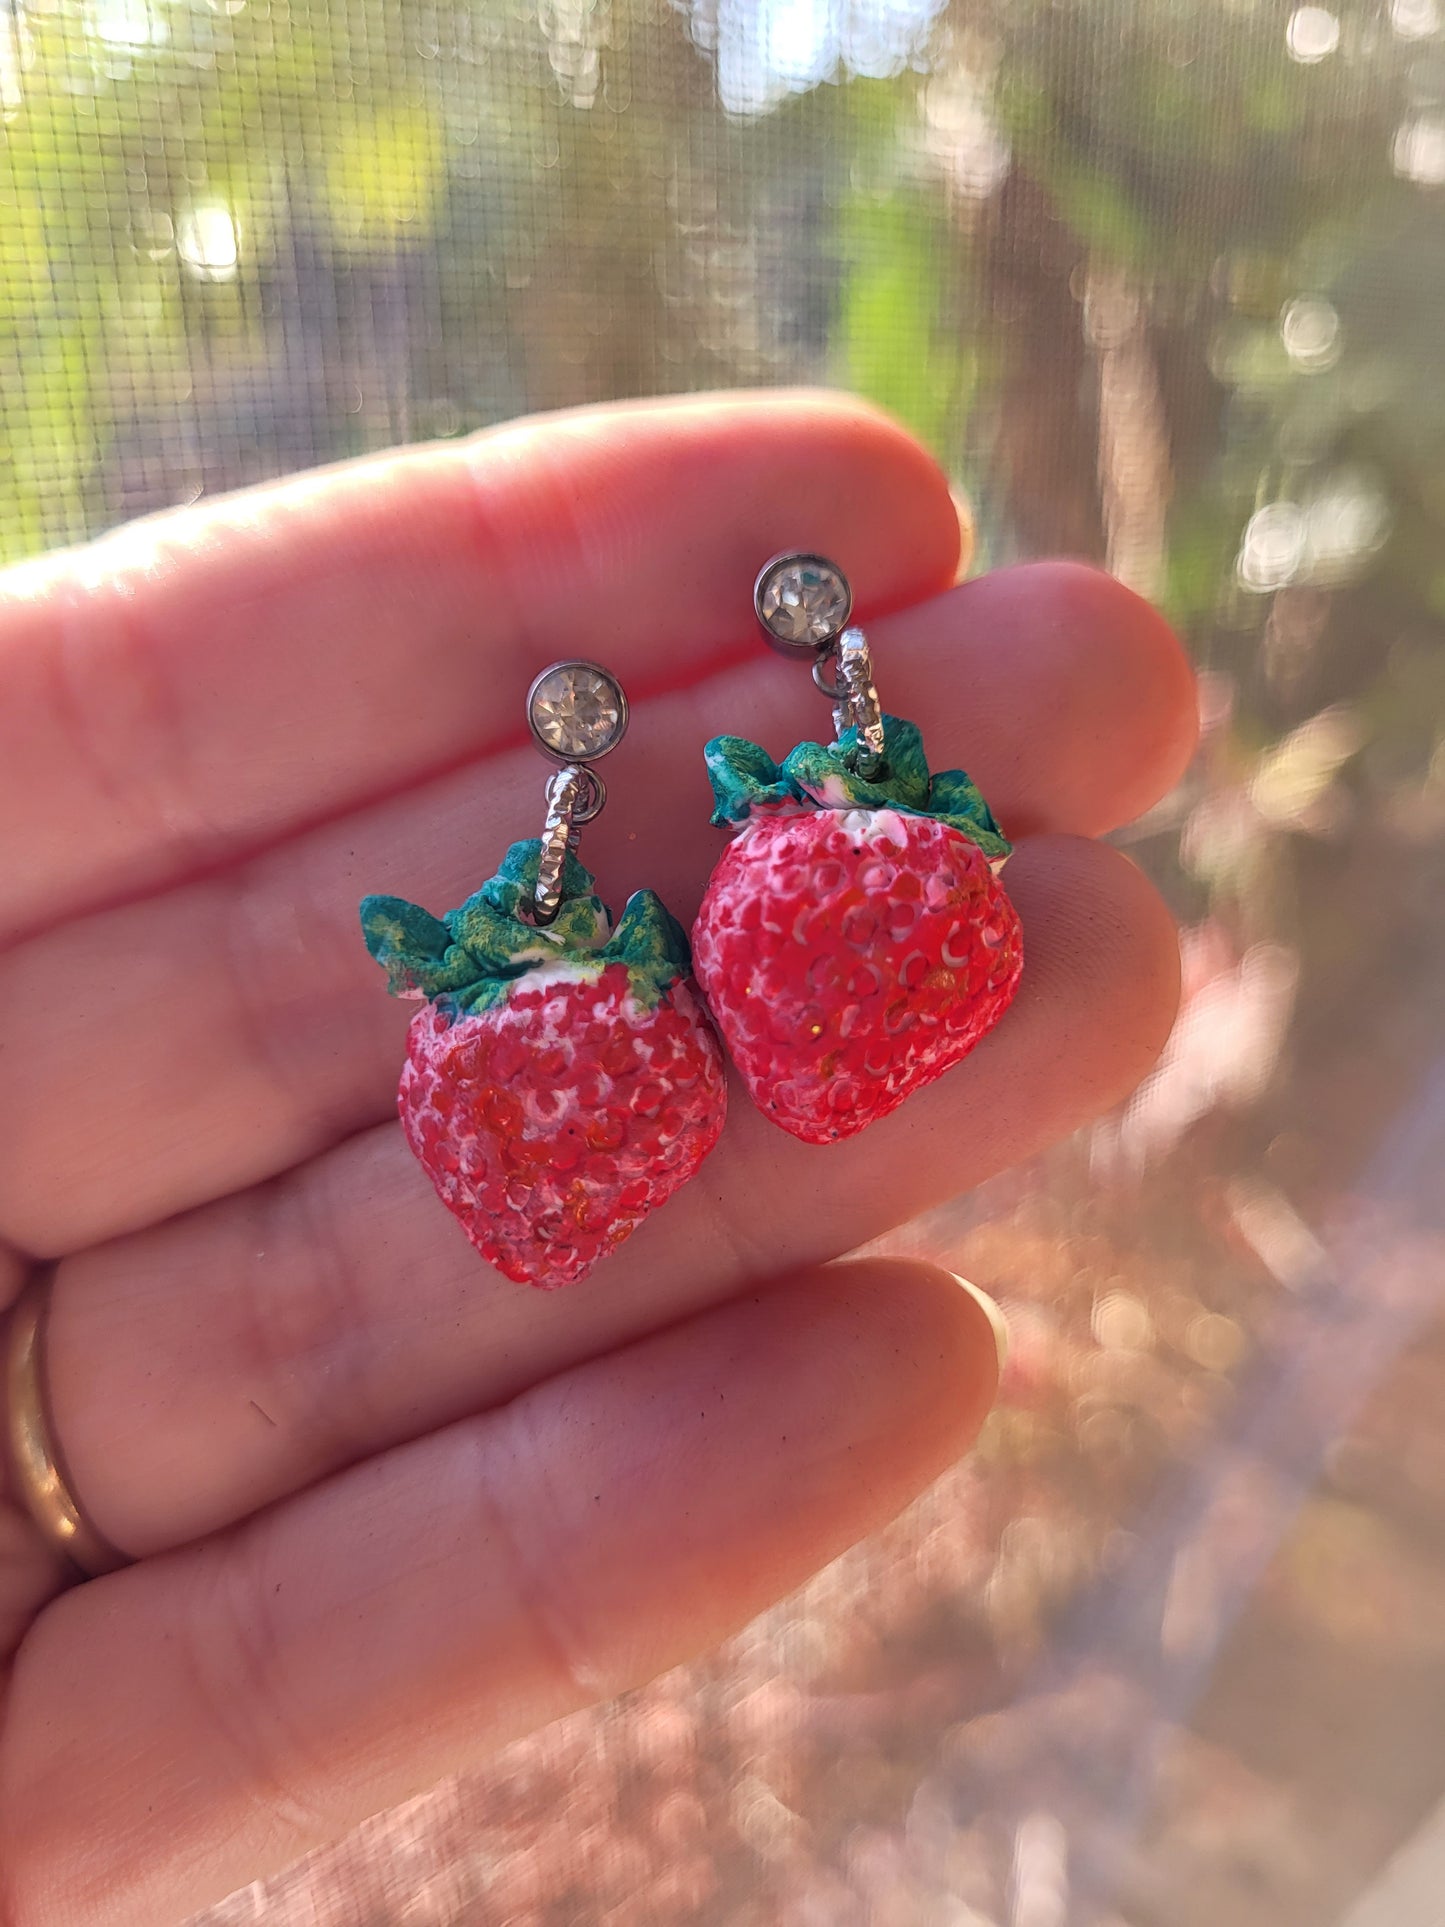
x,y
803,603
855,699
577,712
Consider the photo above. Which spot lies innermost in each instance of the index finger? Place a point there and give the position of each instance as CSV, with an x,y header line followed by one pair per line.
x,y
197,686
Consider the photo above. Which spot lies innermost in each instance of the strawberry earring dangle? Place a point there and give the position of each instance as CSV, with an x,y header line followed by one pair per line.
x,y
854,941
562,1080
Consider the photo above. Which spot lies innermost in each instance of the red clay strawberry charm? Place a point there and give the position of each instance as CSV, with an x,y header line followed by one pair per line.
x,y
854,941
562,1081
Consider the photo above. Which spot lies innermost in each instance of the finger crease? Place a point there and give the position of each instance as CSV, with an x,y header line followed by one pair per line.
x,y
301,1316
118,720
264,966
528,1493
230,1648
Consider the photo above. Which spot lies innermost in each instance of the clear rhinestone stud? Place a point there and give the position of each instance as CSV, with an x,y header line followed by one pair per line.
x,y
803,602
577,711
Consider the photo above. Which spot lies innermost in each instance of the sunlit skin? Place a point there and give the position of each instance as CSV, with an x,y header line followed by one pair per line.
x,y
387,1509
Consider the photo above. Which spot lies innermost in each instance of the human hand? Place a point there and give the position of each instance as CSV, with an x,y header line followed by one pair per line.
x,y
388,1511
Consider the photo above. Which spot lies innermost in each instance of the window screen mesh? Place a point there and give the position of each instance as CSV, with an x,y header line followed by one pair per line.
x,y
1162,286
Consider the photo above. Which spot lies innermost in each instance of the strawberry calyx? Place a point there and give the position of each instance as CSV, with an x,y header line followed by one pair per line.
x,y
474,957
748,784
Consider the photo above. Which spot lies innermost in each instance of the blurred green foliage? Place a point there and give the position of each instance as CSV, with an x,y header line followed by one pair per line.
x,y
442,214
891,340
1161,285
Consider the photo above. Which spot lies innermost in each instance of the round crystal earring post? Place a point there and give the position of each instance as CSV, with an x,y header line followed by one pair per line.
x,y
803,603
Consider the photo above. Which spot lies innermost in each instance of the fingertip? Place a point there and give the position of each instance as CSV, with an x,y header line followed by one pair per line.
x,y
909,530
1110,969
1148,670
1142,677
936,1350
1082,709
992,1311
1135,929
930,526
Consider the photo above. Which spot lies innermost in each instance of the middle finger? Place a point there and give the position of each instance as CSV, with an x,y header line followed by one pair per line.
x,y
213,1037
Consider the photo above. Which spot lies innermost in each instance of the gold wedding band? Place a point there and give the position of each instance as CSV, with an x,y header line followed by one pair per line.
x,y
35,1461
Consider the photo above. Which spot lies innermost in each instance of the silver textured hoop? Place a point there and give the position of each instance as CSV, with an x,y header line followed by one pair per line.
x,y
862,710
854,697
567,793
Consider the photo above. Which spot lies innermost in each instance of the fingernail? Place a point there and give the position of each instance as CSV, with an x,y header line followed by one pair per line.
x,y
994,1315
966,533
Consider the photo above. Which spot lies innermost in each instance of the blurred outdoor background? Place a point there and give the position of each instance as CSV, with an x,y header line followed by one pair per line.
x,y
1163,283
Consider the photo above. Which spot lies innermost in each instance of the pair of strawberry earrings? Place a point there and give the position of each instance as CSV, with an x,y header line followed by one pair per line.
x,y
853,943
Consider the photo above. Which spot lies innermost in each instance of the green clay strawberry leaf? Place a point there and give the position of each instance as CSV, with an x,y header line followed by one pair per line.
x,y
955,798
414,948
473,957
744,778
497,923
653,945
746,781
